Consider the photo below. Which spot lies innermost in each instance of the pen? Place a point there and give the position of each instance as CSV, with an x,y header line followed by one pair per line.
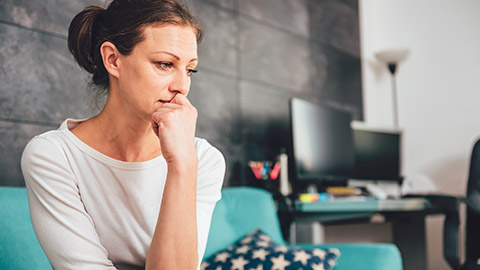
x,y
265,170
255,170
275,171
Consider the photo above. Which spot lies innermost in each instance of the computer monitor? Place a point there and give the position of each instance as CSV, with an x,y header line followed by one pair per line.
x,y
322,142
377,154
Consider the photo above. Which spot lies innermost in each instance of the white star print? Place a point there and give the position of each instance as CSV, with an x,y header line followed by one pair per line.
x,y
302,256
335,251
259,267
262,244
265,237
281,249
239,263
242,250
260,253
246,240
318,266
222,257
204,265
331,262
279,263
319,253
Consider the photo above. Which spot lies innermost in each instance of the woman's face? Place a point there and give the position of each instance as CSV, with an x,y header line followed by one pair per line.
x,y
158,68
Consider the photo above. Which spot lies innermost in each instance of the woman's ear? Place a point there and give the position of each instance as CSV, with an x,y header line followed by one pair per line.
x,y
110,57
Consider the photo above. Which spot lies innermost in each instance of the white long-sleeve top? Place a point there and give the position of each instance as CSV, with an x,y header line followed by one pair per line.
x,y
91,211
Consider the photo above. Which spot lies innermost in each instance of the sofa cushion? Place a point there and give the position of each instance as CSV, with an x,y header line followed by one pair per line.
x,y
257,251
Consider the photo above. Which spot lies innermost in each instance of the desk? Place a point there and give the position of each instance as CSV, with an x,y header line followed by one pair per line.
x,y
406,215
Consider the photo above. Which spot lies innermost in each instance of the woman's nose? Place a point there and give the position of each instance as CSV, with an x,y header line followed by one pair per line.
x,y
181,83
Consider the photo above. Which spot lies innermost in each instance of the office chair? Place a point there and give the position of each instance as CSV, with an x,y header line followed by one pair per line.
x,y
450,207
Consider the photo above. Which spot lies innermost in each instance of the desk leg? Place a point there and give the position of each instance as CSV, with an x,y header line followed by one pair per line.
x,y
409,236
293,233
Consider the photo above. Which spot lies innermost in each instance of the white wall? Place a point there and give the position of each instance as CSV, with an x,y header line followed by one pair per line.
x,y
438,89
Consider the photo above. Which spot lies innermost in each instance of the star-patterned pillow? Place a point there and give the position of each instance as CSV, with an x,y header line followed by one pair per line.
x,y
257,251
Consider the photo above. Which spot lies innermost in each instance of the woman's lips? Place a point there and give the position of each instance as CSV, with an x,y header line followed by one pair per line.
x,y
165,101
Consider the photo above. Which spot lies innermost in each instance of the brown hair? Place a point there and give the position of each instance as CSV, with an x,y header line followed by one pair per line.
x,y
122,23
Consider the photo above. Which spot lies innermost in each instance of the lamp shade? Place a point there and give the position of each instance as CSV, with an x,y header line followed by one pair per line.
x,y
392,56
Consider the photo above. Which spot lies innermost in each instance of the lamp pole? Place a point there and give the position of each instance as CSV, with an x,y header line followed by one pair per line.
x,y
392,67
391,58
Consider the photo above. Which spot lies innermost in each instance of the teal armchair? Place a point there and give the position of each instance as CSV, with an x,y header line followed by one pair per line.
x,y
243,209
19,247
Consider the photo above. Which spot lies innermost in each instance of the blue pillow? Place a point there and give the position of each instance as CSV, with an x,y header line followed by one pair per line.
x,y
257,251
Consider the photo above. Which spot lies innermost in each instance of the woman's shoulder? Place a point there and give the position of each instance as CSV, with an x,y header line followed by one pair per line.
x,y
211,170
48,145
210,159
52,138
45,145
205,150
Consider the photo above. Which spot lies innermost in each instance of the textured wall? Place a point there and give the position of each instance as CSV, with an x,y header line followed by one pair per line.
x,y
255,56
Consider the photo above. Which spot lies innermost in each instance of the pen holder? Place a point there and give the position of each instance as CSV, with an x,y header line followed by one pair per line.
x,y
264,174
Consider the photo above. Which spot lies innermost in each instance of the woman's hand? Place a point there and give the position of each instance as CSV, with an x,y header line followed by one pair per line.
x,y
174,123
174,243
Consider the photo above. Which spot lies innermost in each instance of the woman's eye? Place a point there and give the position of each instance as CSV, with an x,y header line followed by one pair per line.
x,y
190,71
164,65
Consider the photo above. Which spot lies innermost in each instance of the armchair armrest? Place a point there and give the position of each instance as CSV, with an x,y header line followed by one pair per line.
x,y
367,256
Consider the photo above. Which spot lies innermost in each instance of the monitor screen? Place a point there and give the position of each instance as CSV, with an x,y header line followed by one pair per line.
x,y
322,142
377,155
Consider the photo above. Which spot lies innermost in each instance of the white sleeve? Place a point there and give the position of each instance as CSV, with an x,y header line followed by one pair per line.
x,y
63,227
211,172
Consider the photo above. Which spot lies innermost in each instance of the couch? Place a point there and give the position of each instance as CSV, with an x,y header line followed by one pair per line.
x,y
241,210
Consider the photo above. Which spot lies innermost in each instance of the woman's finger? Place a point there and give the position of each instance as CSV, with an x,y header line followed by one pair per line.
x,y
181,100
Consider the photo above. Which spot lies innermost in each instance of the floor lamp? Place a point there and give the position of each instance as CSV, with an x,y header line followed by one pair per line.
x,y
391,58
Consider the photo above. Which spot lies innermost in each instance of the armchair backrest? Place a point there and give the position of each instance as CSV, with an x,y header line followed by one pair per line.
x,y
240,211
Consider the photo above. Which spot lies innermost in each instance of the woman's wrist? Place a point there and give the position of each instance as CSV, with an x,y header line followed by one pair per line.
x,y
183,166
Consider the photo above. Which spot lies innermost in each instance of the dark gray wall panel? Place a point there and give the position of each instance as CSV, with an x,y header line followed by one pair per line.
x,y
48,15
274,57
14,138
338,76
234,157
217,50
353,109
291,15
40,81
265,120
262,105
215,98
336,24
351,3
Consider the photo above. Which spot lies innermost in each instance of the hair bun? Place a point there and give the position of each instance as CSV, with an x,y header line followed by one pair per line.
x,y
81,36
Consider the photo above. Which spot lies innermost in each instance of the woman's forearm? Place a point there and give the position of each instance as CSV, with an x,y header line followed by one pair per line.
x,y
174,243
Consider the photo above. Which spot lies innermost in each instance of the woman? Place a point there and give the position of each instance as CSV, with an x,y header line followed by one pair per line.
x,y
131,187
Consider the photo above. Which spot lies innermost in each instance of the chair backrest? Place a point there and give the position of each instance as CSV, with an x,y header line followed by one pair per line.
x,y
240,211
473,207
19,247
